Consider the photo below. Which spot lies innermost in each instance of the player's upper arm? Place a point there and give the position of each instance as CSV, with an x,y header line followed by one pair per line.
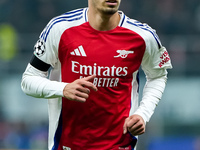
x,y
39,64
156,59
46,48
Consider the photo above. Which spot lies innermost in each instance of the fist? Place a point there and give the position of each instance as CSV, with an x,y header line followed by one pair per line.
x,y
135,125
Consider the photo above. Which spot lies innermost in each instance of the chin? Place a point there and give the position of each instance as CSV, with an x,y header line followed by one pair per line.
x,y
110,11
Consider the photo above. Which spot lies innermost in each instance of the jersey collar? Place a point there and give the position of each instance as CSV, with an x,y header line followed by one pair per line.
x,y
122,16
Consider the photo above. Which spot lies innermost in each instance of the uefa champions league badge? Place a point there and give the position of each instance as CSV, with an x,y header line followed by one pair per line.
x,y
39,48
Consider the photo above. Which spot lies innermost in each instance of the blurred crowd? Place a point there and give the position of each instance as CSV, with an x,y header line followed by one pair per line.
x,y
167,16
20,135
177,22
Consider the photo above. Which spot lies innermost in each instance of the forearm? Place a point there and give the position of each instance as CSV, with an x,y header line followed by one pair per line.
x,y
35,83
152,94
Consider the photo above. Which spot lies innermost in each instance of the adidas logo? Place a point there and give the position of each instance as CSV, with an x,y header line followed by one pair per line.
x,y
79,52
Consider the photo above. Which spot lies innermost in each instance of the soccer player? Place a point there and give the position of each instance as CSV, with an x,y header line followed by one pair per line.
x,y
94,55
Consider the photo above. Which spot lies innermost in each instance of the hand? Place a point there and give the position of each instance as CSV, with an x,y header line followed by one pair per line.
x,y
135,125
79,89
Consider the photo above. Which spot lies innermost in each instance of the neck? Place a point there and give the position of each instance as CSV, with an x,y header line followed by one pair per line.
x,y
103,22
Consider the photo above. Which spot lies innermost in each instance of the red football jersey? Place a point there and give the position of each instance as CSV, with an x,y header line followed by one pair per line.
x,y
75,50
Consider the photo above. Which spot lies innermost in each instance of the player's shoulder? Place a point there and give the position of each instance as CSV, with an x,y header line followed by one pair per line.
x,y
64,21
143,29
72,15
69,17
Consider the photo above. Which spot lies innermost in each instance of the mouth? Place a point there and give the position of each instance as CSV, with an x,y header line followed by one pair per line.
x,y
111,2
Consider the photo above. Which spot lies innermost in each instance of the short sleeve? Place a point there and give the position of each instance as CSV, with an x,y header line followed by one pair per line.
x,y
156,60
46,48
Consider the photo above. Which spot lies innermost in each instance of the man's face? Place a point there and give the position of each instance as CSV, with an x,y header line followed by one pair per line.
x,y
105,6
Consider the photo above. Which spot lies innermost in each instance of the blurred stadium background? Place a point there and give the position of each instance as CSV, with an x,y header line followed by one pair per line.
x,y
176,122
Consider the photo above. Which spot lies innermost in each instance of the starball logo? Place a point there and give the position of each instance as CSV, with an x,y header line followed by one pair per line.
x,y
110,75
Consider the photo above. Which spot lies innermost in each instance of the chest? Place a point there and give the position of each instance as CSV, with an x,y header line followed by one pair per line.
x,y
116,53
